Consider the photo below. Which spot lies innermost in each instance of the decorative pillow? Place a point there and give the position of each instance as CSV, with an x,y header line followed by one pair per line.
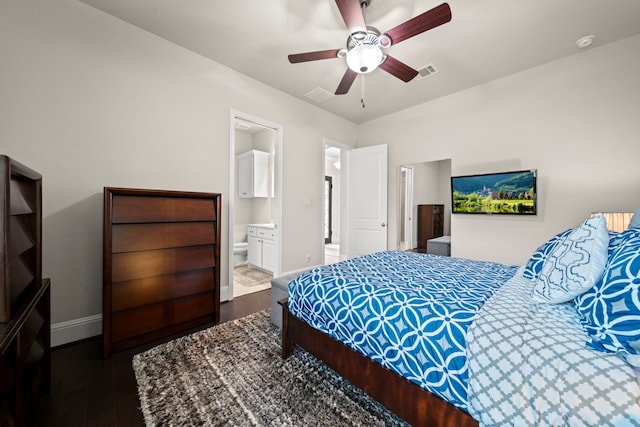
x,y
635,220
533,267
575,264
610,311
618,239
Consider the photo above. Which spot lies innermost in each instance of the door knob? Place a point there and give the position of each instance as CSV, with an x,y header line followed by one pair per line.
x,y
383,224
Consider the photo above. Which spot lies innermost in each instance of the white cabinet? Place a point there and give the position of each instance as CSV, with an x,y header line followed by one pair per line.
x,y
253,174
254,251
269,255
261,251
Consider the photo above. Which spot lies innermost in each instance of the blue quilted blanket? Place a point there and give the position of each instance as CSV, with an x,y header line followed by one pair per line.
x,y
407,311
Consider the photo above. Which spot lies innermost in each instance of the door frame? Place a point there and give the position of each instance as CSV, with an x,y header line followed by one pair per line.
x,y
235,116
343,204
408,209
328,180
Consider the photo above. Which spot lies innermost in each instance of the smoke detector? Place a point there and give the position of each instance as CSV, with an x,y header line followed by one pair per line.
x,y
585,41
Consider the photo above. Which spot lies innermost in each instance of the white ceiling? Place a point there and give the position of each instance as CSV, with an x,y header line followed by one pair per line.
x,y
485,40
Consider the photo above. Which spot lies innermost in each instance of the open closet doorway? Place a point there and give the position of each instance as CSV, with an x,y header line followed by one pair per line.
x,y
255,205
333,191
423,183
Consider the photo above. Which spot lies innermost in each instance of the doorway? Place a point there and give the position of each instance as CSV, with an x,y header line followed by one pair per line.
x,y
333,215
406,208
359,200
422,183
255,212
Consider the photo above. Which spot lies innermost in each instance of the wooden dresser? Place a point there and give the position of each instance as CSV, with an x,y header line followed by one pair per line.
x,y
430,223
161,259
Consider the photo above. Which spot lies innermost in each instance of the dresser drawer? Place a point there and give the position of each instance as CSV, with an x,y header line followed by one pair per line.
x,y
150,290
130,323
138,265
132,209
140,237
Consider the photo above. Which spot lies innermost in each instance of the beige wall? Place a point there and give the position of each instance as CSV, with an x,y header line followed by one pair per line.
x,y
90,101
575,120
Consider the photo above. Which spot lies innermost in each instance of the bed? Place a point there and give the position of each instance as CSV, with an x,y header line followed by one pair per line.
x,y
452,342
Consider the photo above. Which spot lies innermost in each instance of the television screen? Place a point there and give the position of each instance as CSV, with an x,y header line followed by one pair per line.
x,y
495,193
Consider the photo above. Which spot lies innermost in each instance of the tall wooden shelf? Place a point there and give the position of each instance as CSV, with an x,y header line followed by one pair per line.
x,y
25,356
20,233
25,325
161,259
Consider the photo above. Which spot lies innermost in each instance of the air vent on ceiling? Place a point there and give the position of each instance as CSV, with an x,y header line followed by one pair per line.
x,y
319,95
427,70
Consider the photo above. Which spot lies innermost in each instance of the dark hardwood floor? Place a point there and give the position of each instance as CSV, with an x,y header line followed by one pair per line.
x,y
87,390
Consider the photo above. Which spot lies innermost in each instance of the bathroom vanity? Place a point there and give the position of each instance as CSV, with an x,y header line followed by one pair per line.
x,y
262,252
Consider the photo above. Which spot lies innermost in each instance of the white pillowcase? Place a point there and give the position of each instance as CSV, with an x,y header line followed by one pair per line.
x,y
575,264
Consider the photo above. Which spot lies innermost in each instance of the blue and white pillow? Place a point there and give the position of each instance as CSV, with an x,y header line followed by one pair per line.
x,y
533,267
575,264
635,220
610,311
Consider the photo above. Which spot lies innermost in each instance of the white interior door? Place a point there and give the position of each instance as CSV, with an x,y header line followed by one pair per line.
x,y
367,200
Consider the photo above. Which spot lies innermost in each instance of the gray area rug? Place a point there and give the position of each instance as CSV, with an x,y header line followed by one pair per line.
x,y
232,375
246,276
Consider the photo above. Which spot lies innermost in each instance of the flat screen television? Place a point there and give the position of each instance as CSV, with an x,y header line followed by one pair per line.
x,y
512,193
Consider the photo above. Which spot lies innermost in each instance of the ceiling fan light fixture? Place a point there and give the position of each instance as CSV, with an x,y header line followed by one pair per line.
x,y
364,58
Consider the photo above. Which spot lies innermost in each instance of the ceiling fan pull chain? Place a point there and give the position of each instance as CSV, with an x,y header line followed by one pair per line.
x,y
362,90
363,6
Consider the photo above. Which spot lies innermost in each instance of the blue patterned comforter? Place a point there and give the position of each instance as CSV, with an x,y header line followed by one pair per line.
x,y
407,311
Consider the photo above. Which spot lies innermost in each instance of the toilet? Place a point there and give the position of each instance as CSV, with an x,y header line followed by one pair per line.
x,y
240,253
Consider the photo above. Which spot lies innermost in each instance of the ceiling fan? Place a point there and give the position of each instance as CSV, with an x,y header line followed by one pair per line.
x,y
365,44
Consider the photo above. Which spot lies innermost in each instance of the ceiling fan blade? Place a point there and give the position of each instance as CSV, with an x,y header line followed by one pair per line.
x,y
313,56
346,82
352,15
430,19
399,69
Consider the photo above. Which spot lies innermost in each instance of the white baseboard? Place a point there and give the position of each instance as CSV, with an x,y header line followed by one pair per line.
x,y
300,270
75,330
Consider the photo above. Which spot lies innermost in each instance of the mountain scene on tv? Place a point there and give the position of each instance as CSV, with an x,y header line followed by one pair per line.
x,y
509,193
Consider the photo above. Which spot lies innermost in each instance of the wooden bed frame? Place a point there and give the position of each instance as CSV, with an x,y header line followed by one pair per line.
x,y
409,401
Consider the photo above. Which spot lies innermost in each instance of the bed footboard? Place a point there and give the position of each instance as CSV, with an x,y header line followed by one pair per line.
x,y
404,398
